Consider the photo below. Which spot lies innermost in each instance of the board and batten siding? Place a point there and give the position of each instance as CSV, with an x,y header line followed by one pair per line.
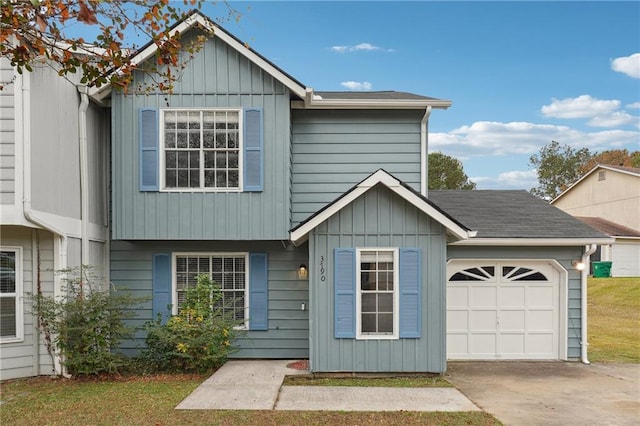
x,y
7,134
28,357
288,325
334,150
563,255
217,77
379,218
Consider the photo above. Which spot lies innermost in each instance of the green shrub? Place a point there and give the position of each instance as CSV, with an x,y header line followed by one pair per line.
x,y
85,324
198,339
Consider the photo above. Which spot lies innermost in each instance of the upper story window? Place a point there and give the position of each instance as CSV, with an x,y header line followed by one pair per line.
x,y
11,325
201,149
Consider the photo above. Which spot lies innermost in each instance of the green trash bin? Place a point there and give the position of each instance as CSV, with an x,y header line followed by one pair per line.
x,y
602,269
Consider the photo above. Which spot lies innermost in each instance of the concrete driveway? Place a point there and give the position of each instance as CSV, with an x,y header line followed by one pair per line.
x,y
552,393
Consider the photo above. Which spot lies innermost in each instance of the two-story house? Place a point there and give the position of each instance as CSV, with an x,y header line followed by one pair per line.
x,y
54,148
311,210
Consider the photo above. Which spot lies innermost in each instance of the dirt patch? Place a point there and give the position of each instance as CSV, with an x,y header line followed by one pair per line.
x,y
303,364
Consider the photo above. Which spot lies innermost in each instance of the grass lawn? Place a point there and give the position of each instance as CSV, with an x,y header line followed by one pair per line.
x,y
151,401
614,319
390,382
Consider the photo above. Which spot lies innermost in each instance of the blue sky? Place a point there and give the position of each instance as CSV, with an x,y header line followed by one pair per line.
x,y
520,74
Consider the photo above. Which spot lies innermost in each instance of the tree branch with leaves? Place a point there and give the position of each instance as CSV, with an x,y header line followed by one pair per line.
x,y
36,30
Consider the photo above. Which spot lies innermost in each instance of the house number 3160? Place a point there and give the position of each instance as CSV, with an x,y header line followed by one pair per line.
x,y
322,276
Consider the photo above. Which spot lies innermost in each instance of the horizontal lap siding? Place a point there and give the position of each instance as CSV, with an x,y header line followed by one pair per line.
x,y
7,135
378,219
217,77
28,358
288,334
563,255
334,150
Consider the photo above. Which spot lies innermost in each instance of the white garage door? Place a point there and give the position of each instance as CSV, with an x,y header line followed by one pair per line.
x,y
503,310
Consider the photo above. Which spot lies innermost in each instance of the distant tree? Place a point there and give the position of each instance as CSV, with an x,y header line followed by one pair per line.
x,y
614,157
447,173
31,30
557,168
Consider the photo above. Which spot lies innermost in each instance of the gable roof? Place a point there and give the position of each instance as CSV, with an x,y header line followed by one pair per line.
x,y
308,98
633,171
610,228
381,177
514,217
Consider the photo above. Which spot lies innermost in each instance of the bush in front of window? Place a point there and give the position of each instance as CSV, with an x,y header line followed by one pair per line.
x,y
86,324
198,339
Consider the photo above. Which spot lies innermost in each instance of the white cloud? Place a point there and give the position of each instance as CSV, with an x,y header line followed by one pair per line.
x,y
362,86
367,47
488,138
635,105
581,107
629,65
602,113
508,180
615,119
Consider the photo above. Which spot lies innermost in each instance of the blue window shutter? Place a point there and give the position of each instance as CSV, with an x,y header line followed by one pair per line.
x,y
258,291
148,141
253,151
161,279
410,289
345,293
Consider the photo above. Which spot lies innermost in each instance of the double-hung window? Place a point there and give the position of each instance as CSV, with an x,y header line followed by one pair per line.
x,y
377,293
228,270
11,327
201,149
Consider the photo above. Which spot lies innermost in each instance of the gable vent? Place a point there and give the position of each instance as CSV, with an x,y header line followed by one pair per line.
x,y
602,175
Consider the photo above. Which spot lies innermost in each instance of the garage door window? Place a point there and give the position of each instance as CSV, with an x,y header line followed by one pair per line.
x,y
509,273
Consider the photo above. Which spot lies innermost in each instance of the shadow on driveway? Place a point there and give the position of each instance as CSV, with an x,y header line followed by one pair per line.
x,y
546,393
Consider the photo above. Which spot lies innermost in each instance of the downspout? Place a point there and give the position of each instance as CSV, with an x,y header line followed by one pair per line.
x,y
29,214
424,163
84,191
588,251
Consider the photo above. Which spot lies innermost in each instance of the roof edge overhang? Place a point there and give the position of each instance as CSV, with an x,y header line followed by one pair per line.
x,y
300,233
312,101
197,19
565,242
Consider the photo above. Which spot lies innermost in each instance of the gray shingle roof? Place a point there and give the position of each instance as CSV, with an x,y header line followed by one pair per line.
x,y
376,95
510,214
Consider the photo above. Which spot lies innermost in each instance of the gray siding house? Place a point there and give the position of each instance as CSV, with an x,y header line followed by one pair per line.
x,y
54,148
311,210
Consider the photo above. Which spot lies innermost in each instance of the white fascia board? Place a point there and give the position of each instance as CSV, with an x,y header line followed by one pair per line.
x,y
532,241
369,104
149,51
394,185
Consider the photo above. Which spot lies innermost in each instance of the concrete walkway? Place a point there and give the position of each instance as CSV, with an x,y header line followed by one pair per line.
x,y
257,385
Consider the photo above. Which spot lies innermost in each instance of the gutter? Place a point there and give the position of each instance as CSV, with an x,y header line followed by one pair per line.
x,y
424,164
588,251
84,177
28,212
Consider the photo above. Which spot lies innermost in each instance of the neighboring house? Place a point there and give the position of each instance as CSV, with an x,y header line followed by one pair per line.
x,y
54,147
311,210
608,198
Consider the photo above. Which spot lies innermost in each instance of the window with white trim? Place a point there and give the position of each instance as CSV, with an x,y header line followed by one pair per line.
x,y
377,293
201,149
11,321
228,270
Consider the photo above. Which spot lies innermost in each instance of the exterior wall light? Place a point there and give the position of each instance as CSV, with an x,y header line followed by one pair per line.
x,y
303,272
578,265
